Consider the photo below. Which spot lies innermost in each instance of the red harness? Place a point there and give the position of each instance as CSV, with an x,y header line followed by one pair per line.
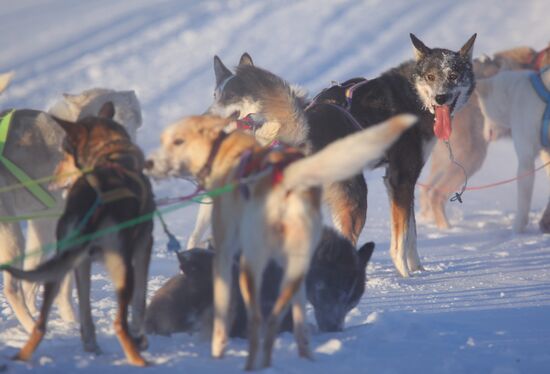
x,y
272,160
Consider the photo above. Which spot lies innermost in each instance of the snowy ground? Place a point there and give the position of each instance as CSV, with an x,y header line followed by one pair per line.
x,y
483,306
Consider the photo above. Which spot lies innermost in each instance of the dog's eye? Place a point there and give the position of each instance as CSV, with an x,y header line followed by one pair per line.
x,y
453,76
177,142
430,77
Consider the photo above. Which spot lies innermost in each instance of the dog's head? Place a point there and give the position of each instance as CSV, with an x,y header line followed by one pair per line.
x,y
336,279
444,80
74,107
495,125
84,141
196,261
185,147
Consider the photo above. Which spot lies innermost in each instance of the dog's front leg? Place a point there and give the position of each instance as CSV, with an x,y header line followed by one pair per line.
x,y
226,247
204,216
87,329
526,165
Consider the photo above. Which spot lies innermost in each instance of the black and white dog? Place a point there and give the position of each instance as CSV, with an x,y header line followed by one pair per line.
x,y
433,86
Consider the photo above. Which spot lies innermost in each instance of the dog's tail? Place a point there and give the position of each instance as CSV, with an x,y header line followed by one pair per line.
x,y
5,80
53,269
348,156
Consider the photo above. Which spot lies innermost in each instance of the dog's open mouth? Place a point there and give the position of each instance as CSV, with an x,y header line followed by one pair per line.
x,y
442,122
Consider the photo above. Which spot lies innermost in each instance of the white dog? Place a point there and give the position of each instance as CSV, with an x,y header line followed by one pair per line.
x,y
511,105
34,145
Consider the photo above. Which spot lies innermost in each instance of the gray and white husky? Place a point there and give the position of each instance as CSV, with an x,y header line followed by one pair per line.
x,y
34,145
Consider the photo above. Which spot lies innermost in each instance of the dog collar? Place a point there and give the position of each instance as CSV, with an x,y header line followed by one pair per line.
x,y
205,171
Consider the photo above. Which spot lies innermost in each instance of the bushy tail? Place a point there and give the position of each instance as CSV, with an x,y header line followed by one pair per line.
x,y
53,269
348,156
5,80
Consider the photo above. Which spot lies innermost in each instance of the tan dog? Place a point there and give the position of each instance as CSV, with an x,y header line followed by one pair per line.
x,y
467,142
277,217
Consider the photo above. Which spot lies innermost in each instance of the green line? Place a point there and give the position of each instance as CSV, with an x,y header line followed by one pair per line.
x,y
69,242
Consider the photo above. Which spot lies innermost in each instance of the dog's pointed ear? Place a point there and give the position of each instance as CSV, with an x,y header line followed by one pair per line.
x,y
467,49
483,87
72,129
420,49
221,72
107,110
246,60
5,80
365,253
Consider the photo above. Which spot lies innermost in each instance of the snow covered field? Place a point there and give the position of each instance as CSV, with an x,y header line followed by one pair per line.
x,y
483,306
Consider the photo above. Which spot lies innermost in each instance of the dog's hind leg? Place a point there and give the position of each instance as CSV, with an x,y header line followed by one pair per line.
x,y
526,164
142,258
12,245
226,245
250,290
39,330
87,329
348,205
122,274
204,216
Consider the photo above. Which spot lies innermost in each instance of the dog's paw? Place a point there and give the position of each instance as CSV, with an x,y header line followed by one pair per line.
x,y
92,347
141,342
519,226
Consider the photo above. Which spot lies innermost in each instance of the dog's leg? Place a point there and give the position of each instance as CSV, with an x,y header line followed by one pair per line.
x,y
33,243
403,227
204,215
544,222
87,329
289,288
526,164
39,330
250,287
225,233
142,258
122,274
299,322
12,245
348,205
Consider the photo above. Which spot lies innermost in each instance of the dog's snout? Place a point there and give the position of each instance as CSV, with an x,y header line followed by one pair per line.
x,y
149,164
442,99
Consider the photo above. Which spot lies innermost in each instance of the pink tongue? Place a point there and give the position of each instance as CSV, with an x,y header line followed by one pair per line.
x,y
442,125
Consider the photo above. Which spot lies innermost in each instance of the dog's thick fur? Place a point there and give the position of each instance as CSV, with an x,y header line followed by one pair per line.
x,y
468,144
105,147
274,101
510,105
437,78
34,144
279,221
334,284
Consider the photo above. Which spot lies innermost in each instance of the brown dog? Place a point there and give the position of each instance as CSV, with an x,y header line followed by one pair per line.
x,y
273,214
468,145
113,192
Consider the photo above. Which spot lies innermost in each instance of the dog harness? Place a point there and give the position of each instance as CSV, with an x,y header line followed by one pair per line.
x,y
536,63
31,185
544,94
272,160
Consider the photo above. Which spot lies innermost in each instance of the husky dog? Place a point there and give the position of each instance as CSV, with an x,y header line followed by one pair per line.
x,y
270,99
113,192
34,145
434,86
274,215
469,147
511,105
334,284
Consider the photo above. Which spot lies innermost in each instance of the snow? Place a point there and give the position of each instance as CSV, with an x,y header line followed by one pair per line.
x,y
482,306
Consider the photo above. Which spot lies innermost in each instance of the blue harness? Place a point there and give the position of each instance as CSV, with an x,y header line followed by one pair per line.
x,y
544,94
